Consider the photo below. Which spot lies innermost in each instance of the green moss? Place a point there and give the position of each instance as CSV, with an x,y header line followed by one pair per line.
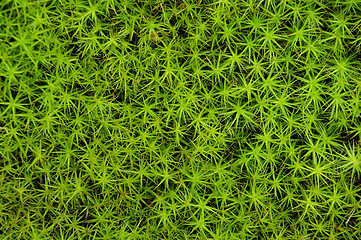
x,y
180,119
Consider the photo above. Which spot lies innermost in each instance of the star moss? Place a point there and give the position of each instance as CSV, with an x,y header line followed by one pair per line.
x,y
180,119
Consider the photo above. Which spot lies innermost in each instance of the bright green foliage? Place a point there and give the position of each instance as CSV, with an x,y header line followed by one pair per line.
x,y
160,119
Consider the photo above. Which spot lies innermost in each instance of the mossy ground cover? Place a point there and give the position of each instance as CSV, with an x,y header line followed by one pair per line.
x,y
180,119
